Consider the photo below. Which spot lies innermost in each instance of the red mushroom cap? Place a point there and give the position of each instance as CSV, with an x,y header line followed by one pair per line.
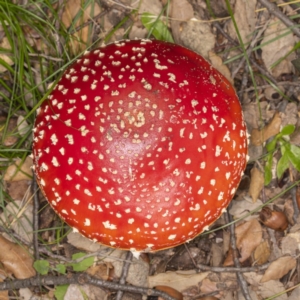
x,y
141,145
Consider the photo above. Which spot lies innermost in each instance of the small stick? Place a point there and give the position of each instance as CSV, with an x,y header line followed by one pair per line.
x,y
124,274
239,275
274,10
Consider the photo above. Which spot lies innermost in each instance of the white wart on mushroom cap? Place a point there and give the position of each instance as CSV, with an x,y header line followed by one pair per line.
x,y
141,145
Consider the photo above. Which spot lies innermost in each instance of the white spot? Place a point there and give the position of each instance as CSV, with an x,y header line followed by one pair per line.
x,y
197,207
54,139
87,192
70,139
218,151
55,161
200,191
107,225
76,201
87,222
172,237
221,196
188,161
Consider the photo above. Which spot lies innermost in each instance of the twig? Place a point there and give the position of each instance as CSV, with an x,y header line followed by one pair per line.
x,y
240,277
124,274
285,83
274,10
228,37
80,278
91,20
35,224
250,48
57,27
295,203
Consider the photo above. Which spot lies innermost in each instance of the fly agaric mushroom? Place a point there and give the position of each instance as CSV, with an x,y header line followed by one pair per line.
x,y
141,145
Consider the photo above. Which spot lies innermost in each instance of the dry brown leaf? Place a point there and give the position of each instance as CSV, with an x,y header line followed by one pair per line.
x,y
179,280
181,11
138,270
279,268
8,136
6,58
83,37
262,253
245,17
295,295
258,137
276,45
23,126
154,7
83,243
3,294
238,209
256,184
208,286
248,237
19,170
101,271
16,259
290,115
19,217
217,62
290,243
266,289
77,292
198,37
17,189
216,254
253,114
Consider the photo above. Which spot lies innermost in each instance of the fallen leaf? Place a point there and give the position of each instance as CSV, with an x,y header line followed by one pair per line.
x,y
245,18
248,237
181,11
290,243
19,170
3,294
17,189
262,253
75,14
276,44
19,217
138,270
5,46
101,271
242,207
179,280
295,295
217,63
23,126
208,286
279,268
266,289
85,291
83,243
258,137
197,36
216,254
16,259
8,136
256,184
